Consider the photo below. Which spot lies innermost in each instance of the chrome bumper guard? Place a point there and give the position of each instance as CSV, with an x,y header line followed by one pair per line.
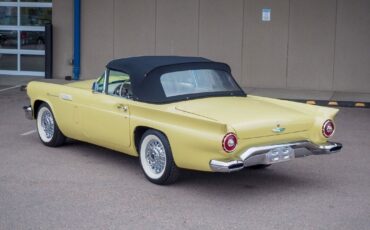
x,y
28,112
258,155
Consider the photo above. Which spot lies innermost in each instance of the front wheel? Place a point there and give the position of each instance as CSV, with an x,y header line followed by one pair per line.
x,y
47,127
156,158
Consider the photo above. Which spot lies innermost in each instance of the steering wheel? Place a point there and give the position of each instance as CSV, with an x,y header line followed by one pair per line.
x,y
118,90
123,89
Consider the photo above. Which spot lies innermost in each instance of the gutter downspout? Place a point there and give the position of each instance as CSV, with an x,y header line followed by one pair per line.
x,y
77,40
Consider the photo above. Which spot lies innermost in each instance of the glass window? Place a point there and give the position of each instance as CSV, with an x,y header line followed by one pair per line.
x,y
8,39
22,39
8,16
35,16
197,81
35,0
119,84
33,40
32,63
8,61
99,87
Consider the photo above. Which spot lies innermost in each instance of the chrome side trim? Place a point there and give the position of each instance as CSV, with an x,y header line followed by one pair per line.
x,y
257,155
28,112
65,97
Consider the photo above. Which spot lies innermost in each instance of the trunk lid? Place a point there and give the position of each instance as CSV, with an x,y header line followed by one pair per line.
x,y
249,117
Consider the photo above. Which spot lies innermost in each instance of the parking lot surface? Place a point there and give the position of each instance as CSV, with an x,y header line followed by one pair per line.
x,y
82,186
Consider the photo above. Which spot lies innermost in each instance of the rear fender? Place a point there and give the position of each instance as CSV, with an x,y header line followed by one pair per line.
x,y
194,140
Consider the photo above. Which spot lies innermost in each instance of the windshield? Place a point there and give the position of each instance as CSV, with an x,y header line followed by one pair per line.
x,y
197,81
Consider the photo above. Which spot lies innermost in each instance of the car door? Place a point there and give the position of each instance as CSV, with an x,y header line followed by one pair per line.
x,y
106,114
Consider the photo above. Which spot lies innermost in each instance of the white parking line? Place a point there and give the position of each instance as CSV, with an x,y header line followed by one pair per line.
x,y
13,87
29,132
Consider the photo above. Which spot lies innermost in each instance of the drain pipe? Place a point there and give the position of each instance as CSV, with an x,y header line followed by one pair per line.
x,y
77,40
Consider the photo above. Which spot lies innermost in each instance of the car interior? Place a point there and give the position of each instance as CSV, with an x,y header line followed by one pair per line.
x,y
118,84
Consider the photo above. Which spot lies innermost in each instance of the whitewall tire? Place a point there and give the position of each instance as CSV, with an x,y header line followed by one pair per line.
x,y
47,127
156,158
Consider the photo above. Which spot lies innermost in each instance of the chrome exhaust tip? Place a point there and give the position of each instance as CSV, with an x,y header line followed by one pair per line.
x,y
230,166
336,148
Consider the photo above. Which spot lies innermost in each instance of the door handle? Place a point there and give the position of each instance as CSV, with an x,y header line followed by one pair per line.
x,y
124,108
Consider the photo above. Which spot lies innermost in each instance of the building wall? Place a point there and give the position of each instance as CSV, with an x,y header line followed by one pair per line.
x,y
62,38
265,44
320,45
96,26
352,46
311,44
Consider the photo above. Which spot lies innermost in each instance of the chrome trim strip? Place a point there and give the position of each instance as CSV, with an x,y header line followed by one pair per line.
x,y
66,97
28,112
328,147
230,166
257,155
105,83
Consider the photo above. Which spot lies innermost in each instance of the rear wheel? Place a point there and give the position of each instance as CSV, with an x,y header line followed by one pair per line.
x,y
47,127
156,158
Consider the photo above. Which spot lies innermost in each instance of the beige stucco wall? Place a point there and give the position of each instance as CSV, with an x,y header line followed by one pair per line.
x,y
134,28
265,44
311,44
62,38
95,52
352,47
177,27
321,45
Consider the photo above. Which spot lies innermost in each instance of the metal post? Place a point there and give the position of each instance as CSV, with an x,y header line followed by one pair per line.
x,y
77,40
48,50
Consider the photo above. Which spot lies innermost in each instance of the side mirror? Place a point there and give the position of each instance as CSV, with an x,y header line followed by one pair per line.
x,y
95,87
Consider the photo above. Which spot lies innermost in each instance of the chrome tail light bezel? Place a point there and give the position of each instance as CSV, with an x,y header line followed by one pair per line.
x,y
226,139
324,131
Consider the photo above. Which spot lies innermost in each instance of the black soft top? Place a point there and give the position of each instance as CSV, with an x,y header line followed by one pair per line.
x,y
145,72
139,67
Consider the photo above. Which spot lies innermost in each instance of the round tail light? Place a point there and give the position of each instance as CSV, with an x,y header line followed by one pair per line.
x,y
328,128
229,142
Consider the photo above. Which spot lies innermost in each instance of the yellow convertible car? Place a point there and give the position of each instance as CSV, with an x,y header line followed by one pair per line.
x,y
179,112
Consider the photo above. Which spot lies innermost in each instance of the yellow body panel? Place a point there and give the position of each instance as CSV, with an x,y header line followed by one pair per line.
x,y
194,128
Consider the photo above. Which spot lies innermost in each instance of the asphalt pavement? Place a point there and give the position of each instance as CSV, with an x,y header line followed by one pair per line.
x,y
82,186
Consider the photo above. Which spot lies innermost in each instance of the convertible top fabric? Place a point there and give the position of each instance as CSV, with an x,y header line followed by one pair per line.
x,y
145,73
139,67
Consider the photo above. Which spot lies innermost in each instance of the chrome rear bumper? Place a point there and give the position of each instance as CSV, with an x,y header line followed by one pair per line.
x,y
28,112
257,155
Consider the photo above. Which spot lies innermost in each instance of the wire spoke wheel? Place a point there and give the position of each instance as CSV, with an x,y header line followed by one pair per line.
x,y
156,158
45,124
47,127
